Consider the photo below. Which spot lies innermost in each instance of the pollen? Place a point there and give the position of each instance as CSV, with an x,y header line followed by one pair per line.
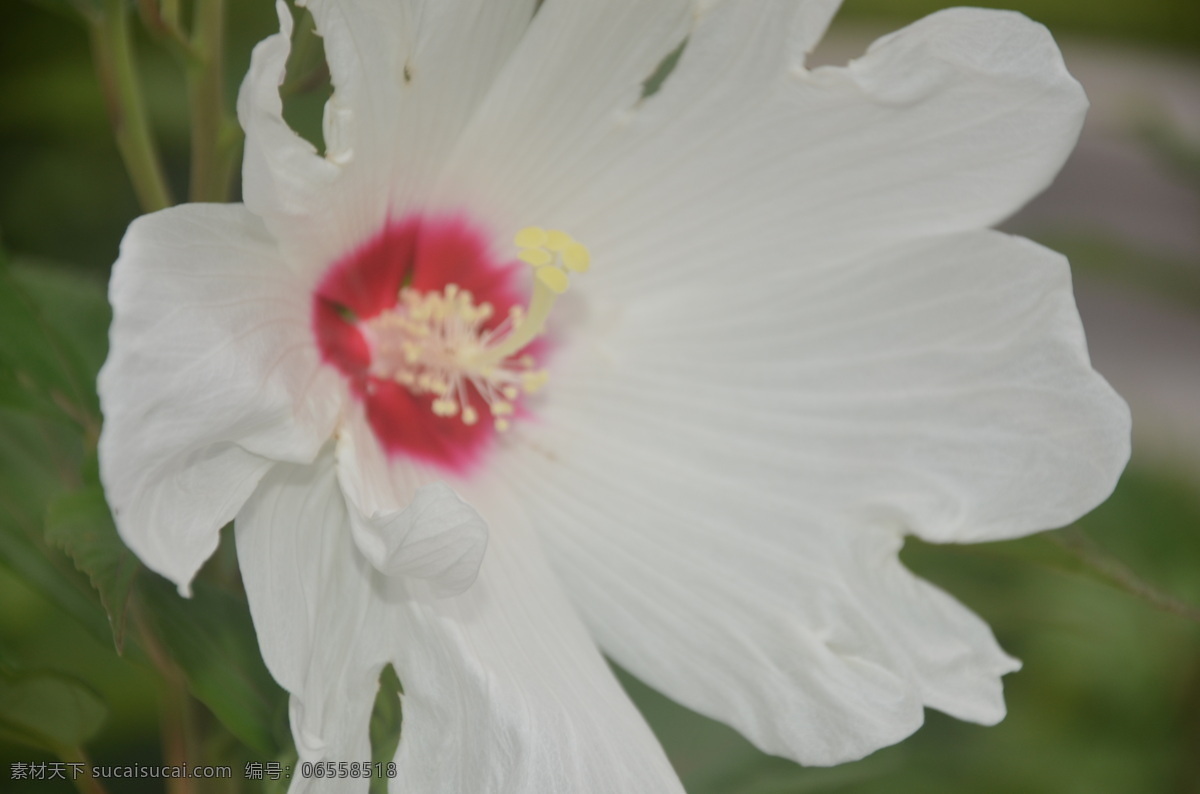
x,y
442,344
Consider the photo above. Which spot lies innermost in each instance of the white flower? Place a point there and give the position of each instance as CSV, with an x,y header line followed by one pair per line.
x,y
797,343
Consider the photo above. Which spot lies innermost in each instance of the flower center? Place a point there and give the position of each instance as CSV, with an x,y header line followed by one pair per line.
x,y
432,337
438,343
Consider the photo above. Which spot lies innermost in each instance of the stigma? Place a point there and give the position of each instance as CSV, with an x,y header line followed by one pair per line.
x,y
446,344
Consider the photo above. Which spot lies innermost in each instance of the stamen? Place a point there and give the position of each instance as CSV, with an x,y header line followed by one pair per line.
x,y
435,343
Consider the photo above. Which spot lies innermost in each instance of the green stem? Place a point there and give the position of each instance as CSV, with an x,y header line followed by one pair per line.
x,y
169,10
112,48
215,136
162,21
84,782
1120,575
179,734
178,728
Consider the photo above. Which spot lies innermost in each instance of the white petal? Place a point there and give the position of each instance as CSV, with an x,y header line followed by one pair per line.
x,y
409,73
284,181
504,689
506,692
812,20
707,590
580,63
404,521
318,618
407,76
945,385
954,660
437,537
948,125
212,375
748,452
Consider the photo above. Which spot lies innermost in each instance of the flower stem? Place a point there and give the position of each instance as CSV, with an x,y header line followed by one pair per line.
x,y
179,735
84,783
177,727
1120,575
215,136
112,49
161,18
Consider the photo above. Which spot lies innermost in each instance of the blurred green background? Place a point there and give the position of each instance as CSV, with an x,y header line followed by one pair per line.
x,y
1109,699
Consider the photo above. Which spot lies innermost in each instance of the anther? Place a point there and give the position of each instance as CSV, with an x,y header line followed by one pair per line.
x,y
555,279
536,256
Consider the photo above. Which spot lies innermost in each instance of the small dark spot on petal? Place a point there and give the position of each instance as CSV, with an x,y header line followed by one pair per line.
x,y
654,81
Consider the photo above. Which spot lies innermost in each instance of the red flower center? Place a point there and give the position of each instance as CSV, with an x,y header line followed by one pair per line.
x,y
421,257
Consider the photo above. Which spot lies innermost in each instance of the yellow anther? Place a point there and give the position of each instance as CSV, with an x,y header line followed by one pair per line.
x,y
557,241
501,408
536,256
510,392
502,425
445,407
470,416
532,381
554,279
531,237
576,257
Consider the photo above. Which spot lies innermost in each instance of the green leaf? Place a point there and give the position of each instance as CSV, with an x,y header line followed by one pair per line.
x,y
385,725
41,364
17,393
82,526
35,457
74,303
52,341
211,637
49,711
31,564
